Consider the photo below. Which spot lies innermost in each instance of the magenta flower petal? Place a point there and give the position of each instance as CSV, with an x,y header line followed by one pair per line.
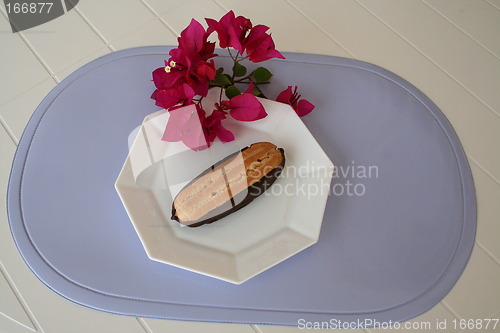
x,y
260,45
285,95
231,30
167,98
193,134
206,69
163,80
212,25
301,106
186,124
188,66
246,107
160,78
176,121
223,133
257,32
304,107
215,117
193,39
214,128
164,98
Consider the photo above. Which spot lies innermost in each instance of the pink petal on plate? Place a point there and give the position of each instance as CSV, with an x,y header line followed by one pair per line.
x,y
223,133
176,121
193,133
246,107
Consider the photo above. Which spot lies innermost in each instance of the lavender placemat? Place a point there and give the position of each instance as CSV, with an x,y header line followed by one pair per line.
x,y
398,229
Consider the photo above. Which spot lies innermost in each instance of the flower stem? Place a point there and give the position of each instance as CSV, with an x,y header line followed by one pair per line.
x,y
198,101
230,54
257,87
248,80
234,63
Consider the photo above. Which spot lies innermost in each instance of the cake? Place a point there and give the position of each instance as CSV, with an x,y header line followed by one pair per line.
x,y
228,185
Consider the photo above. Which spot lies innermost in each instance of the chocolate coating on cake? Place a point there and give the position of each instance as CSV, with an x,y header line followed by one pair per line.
x,y
229,185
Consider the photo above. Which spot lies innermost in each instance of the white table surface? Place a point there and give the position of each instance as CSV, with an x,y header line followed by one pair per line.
x,y
447,48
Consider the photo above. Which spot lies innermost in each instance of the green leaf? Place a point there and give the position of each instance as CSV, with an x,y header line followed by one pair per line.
x,y
220,70
239,70
262,75
221,79
232,91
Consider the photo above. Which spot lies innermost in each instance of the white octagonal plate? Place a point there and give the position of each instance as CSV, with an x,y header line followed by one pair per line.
x,y
278,224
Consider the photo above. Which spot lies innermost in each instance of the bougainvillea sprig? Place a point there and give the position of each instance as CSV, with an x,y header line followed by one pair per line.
x,y
189,73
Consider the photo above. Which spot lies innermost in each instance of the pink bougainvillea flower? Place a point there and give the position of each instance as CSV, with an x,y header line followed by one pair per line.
x,y
190,72
177,119
191,67
193,40
260,45
196,74
186,124
179,95
214,128
245,107
205,70
231,30
188,65
165,77
194,134
301,106
200,75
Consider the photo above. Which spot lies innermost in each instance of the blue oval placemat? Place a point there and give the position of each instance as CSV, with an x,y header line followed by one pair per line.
x,y
398,229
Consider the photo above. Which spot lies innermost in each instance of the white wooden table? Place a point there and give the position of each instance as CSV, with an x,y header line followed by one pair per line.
x,y
447,48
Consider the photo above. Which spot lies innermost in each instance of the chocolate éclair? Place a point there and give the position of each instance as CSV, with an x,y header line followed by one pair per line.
x,y
229,185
